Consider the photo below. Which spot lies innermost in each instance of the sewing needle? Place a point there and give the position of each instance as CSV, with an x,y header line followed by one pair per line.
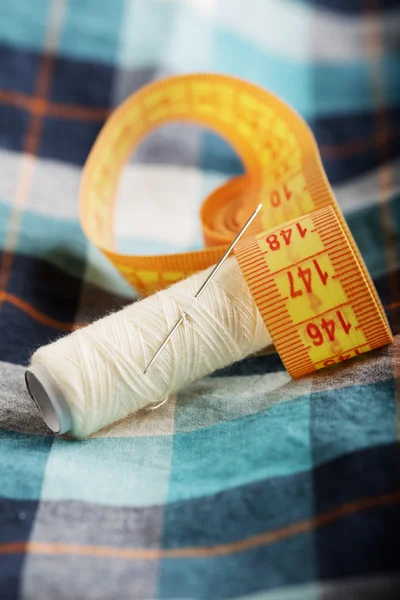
x,y
203,287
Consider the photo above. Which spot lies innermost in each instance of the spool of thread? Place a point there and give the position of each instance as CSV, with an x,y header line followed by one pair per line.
x,y
95,376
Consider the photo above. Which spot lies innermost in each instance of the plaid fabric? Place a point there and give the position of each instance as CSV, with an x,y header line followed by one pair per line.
x,y
248,485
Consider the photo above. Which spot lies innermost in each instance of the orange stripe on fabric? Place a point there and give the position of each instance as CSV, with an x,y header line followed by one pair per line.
x,y
36,314
54,18
42,89
271,537
392,305
27,167
53,109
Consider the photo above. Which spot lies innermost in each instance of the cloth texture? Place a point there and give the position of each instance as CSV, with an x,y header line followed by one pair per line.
x,y
247,484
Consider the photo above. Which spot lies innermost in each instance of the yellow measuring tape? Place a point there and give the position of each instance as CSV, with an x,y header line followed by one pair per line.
x,y
304,270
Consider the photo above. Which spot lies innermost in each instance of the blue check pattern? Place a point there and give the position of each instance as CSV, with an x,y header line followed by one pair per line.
x,y
246,485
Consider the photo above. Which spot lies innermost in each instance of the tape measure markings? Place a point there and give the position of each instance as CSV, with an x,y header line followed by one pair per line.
x,y
284,172
340,326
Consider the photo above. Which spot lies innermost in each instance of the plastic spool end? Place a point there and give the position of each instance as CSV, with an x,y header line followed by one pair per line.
x,y
49,399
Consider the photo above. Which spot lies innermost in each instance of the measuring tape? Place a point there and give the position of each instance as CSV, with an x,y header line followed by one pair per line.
x,y
304,270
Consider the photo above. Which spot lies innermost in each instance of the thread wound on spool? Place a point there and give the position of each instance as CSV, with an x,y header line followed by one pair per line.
x,y
99,369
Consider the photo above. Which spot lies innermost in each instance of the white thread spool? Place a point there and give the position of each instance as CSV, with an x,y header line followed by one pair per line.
x,y
94,376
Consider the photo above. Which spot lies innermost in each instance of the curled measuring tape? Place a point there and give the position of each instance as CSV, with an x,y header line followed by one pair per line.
x,y
305,271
